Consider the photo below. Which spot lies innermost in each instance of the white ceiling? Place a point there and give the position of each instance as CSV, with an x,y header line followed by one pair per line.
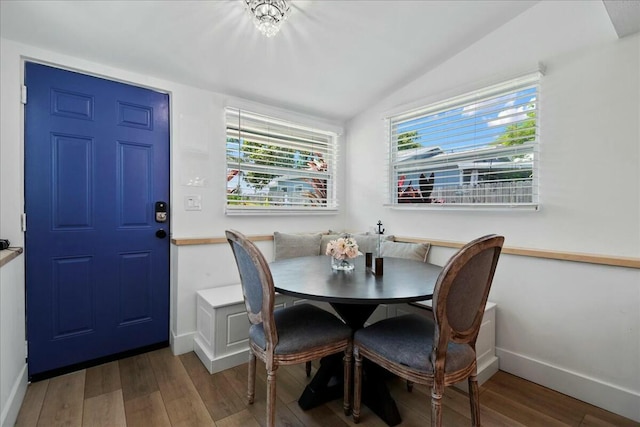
x,y
331,58
625,16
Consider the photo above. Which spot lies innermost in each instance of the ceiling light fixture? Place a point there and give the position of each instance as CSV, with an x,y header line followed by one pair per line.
x,y
268,15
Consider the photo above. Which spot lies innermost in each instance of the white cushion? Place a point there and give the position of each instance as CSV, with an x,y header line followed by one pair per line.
x,y
416,251
296,245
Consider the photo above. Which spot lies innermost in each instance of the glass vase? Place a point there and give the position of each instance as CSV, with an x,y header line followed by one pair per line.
x,y
341,264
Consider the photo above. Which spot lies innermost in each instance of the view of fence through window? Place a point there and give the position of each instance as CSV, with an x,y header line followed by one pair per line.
x,y
273,164
475,149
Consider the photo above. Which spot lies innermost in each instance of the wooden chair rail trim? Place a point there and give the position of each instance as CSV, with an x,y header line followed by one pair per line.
x,y
214,240
7,255
615,261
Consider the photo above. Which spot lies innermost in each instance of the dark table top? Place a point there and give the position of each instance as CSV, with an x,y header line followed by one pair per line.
x,y
313,278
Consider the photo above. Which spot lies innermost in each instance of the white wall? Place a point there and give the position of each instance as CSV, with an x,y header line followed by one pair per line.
x,y
13,372
13,368
197,150
569,326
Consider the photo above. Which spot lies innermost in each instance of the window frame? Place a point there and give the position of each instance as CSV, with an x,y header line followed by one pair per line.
x,y
426,161
299,129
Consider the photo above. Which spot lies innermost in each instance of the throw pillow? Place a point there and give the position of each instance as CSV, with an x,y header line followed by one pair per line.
x,y
369,242
417,251
296,245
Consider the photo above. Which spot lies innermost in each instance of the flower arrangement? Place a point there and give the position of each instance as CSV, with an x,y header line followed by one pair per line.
x,y
343,248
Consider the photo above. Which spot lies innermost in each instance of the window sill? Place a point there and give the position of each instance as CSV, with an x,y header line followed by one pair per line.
x,y
497,207
279,212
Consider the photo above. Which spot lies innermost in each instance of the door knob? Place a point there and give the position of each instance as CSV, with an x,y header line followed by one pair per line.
x,y
161,234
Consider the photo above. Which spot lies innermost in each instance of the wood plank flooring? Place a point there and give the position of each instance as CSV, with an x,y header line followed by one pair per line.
x,y
158,389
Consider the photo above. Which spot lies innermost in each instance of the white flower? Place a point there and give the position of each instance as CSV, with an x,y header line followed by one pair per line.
x,y
342,248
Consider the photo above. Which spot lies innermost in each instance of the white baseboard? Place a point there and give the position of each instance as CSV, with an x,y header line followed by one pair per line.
x,y
217,364
487,366
604,395
181,344
14,402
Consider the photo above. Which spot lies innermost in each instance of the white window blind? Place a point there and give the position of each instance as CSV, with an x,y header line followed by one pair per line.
x,y
274,165
475,150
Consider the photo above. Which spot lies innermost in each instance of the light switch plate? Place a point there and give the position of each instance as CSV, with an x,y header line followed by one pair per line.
x,y
193,203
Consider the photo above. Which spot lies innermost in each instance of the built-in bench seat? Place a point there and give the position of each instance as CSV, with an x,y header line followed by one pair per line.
x,y
222,336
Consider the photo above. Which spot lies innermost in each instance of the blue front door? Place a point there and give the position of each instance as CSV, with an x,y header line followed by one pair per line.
x,y
97,261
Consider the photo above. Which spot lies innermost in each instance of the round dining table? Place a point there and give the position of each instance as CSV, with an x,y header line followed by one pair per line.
x,y
354,295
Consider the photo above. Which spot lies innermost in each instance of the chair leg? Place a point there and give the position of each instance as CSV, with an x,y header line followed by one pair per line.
x,y
474,400
251,383
347,381
307,368
357,386
271,397
436,404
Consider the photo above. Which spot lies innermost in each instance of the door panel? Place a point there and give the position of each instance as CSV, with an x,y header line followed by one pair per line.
x,y
96,161
73,305
135,290
72,181
134,196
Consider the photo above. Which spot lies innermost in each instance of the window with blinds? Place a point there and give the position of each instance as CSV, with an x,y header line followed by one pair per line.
x,y
475,150
275,165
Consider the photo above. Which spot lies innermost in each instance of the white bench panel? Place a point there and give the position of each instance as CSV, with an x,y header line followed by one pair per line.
x,y
222,339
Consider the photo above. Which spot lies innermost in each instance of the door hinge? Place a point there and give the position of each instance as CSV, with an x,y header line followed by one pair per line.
x,y
26,350
23,221
23,94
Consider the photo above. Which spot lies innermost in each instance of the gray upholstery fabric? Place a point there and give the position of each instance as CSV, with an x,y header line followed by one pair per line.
x,y
301,327
467,290
288,245
415,251
369,242
250,279
408,340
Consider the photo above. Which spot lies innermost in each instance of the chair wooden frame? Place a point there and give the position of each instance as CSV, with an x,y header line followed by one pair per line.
x,y
444,332
265,315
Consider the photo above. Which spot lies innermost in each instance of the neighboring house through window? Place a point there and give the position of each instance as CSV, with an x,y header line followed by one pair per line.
x,y
476,150
275,165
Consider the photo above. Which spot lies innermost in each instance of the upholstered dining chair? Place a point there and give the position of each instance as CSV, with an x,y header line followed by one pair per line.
x,y
286,336
441,351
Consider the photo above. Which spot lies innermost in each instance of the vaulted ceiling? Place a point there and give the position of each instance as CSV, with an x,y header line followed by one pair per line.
x,y
331,58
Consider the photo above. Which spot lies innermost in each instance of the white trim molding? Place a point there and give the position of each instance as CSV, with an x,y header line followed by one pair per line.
x,y
591,390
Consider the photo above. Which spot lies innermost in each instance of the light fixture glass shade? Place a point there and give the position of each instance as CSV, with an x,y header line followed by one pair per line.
x,y
268,15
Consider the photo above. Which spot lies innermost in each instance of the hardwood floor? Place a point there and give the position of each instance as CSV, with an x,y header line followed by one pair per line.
x,y
158,389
